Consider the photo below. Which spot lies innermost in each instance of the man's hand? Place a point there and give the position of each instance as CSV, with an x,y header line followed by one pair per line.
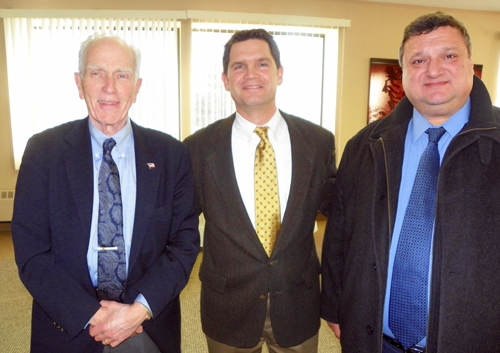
x,y
120,321
98,316
335,328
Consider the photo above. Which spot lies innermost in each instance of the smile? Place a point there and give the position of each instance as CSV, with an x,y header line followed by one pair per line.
x,y
107,103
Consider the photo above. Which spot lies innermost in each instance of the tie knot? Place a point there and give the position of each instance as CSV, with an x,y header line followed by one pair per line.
x,y
261,131
108,145
435,133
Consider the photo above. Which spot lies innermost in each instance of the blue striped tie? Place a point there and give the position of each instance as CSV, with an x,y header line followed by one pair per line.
x,y
408,302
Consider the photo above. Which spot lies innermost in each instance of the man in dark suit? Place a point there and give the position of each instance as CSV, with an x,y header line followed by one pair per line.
x,y
57,222
260,288
410,264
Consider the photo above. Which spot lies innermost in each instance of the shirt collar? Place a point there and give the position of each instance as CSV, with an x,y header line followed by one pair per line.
x,y
452,126
120,137
246,128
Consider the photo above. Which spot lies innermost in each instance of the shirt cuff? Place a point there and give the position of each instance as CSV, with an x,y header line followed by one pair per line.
x,y
141,299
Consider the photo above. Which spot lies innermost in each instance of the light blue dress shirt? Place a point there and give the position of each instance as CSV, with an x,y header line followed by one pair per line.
x,y
415,144
124,156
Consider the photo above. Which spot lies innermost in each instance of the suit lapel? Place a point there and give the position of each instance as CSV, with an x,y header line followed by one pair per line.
x,y
303,154
222,168
147,187
79,168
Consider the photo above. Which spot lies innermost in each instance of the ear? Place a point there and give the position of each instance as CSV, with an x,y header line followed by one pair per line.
x,y
280,75
225,80
138,85
78,81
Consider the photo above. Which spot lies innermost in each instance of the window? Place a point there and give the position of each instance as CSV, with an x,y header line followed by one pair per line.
x,y
42,55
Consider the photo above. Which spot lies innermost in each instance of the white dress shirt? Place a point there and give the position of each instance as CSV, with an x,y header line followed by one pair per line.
x,y
244,143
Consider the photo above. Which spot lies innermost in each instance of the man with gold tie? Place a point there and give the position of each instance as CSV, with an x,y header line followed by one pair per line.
x,y
261,176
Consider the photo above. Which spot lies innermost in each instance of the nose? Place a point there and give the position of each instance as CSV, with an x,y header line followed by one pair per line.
x,y
109,85
251,72
434,68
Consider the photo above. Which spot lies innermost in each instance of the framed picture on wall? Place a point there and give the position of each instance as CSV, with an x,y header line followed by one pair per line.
x,y
386,87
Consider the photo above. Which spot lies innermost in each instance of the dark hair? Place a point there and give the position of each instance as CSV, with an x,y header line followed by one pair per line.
x,y
244,35
428,23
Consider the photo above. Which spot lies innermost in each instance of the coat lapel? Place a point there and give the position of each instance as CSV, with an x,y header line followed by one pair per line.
x,y
79,169
221,166
303,154
386,144
147,187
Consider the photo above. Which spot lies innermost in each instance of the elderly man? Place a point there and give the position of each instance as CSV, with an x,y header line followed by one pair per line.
x,y
411,246
104,227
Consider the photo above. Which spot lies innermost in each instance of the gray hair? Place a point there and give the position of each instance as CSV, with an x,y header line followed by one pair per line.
x,y
84,48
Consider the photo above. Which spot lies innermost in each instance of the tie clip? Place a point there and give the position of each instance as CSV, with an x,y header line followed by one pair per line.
x,y
107,248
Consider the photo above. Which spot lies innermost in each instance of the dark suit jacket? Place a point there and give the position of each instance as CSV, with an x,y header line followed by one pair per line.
x,y
236,272
51,227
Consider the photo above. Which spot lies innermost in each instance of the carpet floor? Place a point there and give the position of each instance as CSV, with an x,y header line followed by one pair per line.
x,y
15,315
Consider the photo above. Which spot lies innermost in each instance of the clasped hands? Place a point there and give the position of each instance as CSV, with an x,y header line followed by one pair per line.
x,y
114,322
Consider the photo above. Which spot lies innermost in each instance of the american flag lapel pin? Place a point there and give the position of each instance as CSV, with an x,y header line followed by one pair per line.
x,y
151,165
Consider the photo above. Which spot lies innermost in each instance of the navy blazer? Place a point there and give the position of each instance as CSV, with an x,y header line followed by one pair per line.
x,y
51,228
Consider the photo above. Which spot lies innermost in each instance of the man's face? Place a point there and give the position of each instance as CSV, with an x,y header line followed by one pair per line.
x,y
252,77
108,84
437,73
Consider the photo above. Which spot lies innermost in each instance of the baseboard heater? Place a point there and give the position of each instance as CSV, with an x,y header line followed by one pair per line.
x,y
6,205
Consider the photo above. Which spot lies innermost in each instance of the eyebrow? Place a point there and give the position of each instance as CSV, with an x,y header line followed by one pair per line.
x,y
444,49
120,69
239,62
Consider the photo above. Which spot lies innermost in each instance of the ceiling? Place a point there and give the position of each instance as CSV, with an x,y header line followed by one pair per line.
x,y
481,5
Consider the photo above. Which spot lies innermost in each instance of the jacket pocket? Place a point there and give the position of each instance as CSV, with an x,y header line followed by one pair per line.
x,y
311,275
212,279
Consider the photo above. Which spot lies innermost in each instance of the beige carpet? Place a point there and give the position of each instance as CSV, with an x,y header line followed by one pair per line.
x,y
15,311
15,315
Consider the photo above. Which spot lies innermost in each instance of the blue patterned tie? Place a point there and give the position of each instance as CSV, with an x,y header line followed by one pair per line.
x,y
408,302
111,259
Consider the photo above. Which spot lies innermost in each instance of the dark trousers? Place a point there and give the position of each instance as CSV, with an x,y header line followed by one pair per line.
x,y
140,343
389,348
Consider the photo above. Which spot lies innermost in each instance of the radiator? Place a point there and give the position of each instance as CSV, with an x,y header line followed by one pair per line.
x,y
6,205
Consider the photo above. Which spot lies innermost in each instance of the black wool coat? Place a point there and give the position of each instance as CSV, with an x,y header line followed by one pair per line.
x,y
464,308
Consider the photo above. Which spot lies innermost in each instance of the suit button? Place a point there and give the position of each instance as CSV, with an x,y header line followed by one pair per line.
x,y
369,329
263,296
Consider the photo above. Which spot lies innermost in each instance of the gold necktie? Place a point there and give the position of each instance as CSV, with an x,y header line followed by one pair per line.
x,y
267,202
